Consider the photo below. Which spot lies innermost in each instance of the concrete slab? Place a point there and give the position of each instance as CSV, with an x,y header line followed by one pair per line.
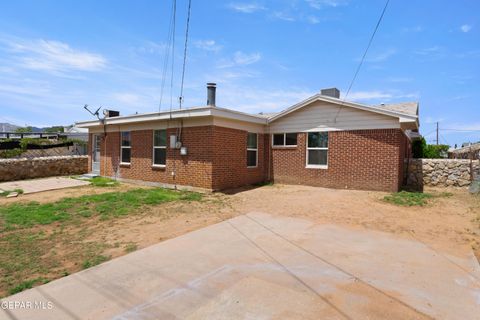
x,y
260,266
43,184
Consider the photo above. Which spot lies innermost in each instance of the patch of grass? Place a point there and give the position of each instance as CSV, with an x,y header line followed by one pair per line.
x,y
103,182
130,247
7,192
94,261
28,284
409,199
106,205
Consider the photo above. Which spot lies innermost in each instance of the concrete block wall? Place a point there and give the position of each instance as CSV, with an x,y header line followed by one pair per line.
x,y
19,169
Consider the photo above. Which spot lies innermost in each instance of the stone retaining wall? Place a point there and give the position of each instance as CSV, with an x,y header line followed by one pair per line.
x,y
18,169
441,172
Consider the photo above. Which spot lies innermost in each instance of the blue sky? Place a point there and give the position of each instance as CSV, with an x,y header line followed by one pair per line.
x,y
56,56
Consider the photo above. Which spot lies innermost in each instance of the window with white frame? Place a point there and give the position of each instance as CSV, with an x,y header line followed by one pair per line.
x,y
284,139
159,147
252,150
317,149
125,147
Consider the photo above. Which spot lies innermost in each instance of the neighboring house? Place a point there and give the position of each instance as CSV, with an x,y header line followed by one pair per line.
x,y
321,141
468,151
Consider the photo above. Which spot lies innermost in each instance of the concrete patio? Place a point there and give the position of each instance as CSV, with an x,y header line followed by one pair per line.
x,y
42,184
260,266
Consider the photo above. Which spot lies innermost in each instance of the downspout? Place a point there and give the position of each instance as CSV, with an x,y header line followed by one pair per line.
x,y
269,163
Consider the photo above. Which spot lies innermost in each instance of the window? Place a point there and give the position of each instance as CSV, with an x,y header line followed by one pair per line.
x,y
126,147
284,139
317,149
159,147
252,147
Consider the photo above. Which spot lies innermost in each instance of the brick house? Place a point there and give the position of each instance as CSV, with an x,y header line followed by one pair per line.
x,y
321,141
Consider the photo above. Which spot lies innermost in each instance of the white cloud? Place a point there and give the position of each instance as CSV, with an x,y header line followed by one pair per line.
x,y
54,56
152,48
368,95
413,29
428,51
313,20
255,99
283,16
429,120
466,28
208,45
400,79
246,7
127,98
241,58
382,56
319,4
385,96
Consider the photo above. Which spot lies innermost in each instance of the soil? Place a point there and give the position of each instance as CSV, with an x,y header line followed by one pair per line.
x,y
450,224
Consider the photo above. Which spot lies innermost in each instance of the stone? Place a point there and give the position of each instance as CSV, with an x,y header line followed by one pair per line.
x,y
475,187
12,195
463,183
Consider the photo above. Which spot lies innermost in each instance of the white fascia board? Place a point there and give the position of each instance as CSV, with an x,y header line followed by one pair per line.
x,y
176,114
236,115
344,103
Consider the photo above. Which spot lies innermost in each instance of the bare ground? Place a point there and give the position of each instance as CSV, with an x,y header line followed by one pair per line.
x,y
451,224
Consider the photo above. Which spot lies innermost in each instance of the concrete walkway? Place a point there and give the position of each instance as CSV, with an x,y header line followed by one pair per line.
x,y
260,266
42,184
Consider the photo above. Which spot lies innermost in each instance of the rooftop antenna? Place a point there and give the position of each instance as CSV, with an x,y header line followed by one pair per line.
x,y
96,114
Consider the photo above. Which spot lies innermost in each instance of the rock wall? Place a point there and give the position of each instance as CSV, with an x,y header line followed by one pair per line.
x,y
18,169
441,172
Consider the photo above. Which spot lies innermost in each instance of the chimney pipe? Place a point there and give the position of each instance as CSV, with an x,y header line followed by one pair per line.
x,y
211,95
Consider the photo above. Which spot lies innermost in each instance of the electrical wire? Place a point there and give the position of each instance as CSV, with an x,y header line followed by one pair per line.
x,y
173,54
363,58
180,98
460,130
166,56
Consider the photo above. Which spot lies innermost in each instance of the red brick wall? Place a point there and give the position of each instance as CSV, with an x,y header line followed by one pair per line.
x,y
194,169
217,156
230,159
360,159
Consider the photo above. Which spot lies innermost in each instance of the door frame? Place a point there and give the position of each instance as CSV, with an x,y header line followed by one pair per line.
x,y
96,145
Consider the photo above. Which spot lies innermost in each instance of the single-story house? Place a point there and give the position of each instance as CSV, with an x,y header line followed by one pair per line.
x,y
321,141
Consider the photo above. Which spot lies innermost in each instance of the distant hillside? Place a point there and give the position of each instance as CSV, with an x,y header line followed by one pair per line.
x,y
7,127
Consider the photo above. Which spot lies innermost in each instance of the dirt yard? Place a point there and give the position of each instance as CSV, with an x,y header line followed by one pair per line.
x,y
448,223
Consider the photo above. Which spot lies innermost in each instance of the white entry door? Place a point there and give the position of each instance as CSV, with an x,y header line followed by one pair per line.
x,y
96,154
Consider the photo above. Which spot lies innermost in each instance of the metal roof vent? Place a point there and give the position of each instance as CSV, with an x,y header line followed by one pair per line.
x,y
211,94
331,92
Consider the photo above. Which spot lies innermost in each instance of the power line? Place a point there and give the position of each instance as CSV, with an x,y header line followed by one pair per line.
x,y
460,130
173,53
185,53
166,55
363,58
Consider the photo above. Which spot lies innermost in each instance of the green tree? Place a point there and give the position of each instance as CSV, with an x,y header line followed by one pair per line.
x,y
53,129
433,151
24,129
418,147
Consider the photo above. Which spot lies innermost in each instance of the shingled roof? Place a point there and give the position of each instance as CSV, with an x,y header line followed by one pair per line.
x,y
410,108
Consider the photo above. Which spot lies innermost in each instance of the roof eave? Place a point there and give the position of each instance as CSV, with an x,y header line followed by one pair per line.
x,y
176,114
341,102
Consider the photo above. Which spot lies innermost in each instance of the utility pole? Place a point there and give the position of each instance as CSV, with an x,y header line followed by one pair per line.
x,y
437,133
